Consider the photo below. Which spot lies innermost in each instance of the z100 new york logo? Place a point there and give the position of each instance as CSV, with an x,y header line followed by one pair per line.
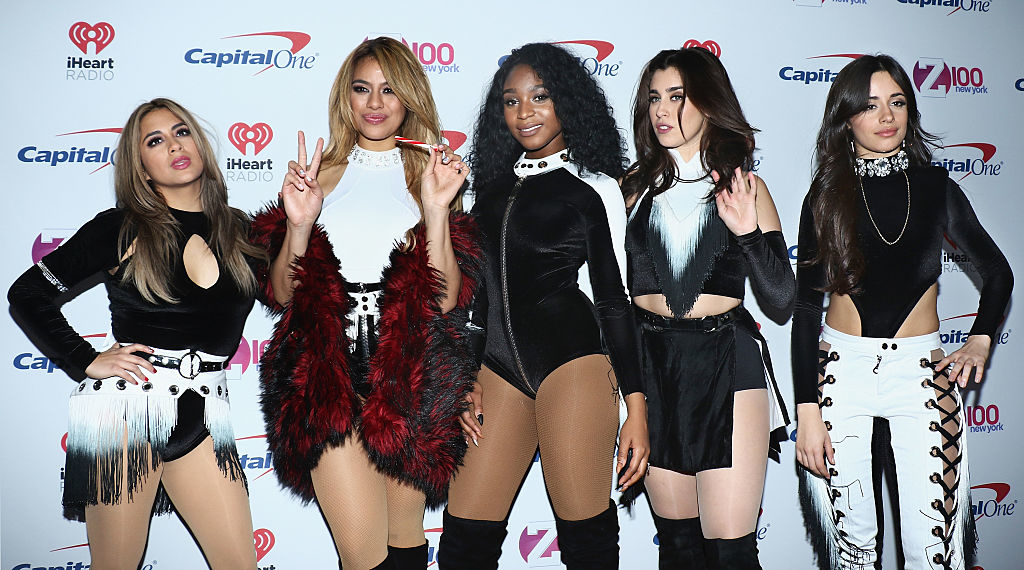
x,y
83,35
819,3
934,78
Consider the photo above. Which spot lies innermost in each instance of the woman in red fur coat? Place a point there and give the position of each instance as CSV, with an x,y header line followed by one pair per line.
x,y
365,375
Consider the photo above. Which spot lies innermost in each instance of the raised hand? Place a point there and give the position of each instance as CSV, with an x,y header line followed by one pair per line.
x,y
443,176
300,192
737,206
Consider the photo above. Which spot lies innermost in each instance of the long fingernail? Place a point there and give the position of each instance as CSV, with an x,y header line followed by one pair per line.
x,y
480,418
475,442
302,172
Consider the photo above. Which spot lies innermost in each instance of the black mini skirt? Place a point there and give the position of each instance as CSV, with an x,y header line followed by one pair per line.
x,y
692,368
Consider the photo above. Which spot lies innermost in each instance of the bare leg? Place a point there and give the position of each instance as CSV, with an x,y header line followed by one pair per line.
x,y
352,496
215,507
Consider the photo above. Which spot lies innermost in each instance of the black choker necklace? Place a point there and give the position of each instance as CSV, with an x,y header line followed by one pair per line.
x,y
883,166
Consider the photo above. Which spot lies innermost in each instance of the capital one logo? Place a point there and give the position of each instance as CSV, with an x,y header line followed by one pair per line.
x,y
60,156
982,166
264,541
538,545
992,503
710,45
258,135
596,64
99,35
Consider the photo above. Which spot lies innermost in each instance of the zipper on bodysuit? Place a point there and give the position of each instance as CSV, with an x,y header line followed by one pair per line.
x,y
504,286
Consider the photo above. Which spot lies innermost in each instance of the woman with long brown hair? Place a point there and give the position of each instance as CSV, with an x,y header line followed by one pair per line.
x,y
150,423
871,232
700,224
364,378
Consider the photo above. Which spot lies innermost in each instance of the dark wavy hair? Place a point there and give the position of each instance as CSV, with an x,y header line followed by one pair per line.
x,y
833,192
589,129
728,140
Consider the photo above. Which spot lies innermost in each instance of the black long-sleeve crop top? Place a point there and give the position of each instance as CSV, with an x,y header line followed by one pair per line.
x,y
209,320
538,232
896,276
762,256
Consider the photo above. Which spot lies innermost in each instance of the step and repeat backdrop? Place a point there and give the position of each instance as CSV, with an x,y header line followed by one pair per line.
x,y
257,72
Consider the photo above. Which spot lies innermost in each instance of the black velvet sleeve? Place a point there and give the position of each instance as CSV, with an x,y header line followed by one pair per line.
x,y
614,311
807,312
34,295
967,233
770,272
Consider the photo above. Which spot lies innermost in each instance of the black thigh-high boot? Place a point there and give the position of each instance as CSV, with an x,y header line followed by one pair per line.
x,y
590,544
468,544
680,544
387,564
414,558
733,553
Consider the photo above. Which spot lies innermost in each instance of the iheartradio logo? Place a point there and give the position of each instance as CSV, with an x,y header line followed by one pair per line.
x,y
263,540
455,139
82,34
258,135
710,45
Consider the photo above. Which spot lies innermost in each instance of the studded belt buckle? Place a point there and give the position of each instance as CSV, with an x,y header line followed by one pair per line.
x,y
189,365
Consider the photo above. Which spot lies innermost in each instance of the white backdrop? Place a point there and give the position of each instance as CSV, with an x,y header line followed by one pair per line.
x,y
75,71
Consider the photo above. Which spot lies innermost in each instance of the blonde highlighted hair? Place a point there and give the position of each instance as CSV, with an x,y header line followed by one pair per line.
x,y
405,76
149,235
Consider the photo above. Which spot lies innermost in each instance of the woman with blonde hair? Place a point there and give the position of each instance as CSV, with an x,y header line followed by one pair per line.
x,y
364,378
149,423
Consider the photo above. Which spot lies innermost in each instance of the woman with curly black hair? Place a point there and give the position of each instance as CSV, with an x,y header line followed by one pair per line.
x,y
700,224
545,153
871,232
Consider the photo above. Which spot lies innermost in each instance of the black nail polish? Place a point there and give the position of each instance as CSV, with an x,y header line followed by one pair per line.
x,y
480,418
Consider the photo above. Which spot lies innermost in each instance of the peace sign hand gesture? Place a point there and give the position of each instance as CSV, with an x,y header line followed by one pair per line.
x,y
737,205
300,192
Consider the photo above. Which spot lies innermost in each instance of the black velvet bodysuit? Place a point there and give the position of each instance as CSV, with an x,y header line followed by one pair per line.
x,y
538,232
896,276
209,320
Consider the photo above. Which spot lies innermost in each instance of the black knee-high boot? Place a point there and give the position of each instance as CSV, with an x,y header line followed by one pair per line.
x,y
414,558
590,544
733,553
468,544
680,544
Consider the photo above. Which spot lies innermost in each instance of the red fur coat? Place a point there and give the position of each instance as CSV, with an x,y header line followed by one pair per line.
x,y
419,374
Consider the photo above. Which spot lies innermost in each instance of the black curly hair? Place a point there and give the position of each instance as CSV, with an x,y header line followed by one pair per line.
x,y
595,142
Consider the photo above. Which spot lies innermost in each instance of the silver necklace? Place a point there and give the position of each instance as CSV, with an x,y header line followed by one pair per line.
x,y
872,218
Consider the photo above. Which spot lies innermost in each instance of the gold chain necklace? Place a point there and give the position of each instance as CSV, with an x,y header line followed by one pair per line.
x,y
872,218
